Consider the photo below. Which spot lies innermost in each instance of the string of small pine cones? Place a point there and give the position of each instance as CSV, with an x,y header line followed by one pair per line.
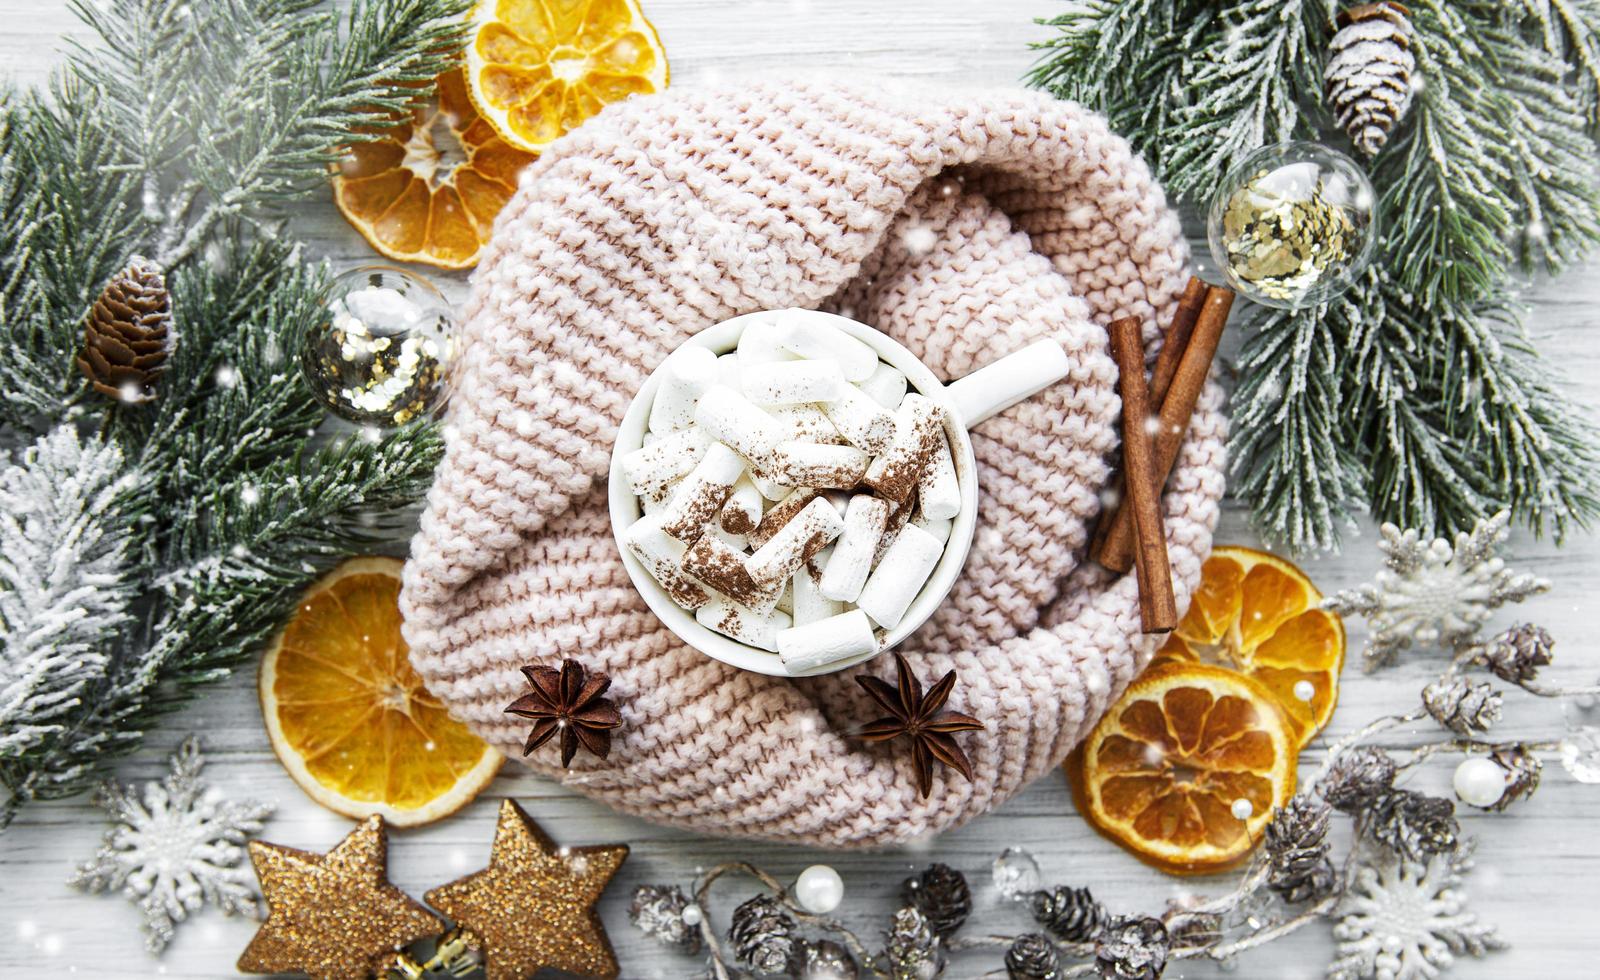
x,y
1394,898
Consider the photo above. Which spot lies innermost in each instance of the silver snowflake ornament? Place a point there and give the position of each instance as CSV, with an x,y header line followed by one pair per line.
x,y
1400,920
174,845
1432,593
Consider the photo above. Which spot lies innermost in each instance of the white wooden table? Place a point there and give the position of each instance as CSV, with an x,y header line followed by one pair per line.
x,y
1539,865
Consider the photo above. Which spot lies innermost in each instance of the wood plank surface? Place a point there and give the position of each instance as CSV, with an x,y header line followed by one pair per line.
x,y
1539,866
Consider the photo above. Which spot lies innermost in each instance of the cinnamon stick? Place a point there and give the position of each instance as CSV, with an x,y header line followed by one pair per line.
x,y
1118,551
1172,348
1158,608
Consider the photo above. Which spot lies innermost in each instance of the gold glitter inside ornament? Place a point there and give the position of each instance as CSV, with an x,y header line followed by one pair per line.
x,y
532,908
382,349
1292,226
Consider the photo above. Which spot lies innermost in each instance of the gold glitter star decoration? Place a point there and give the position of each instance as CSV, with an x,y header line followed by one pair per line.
x,y
533,906
333,916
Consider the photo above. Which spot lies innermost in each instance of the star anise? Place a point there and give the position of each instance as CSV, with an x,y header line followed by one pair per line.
x,y
568,701
917,716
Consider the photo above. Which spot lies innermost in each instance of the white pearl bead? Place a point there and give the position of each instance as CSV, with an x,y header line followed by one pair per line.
x,y
1242,809
1304,690
1480,781
819,889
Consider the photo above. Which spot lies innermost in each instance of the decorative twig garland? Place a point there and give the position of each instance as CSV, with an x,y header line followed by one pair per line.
x,y
1408,852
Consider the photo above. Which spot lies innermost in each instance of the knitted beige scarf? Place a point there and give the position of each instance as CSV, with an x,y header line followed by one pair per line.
x,y
964,227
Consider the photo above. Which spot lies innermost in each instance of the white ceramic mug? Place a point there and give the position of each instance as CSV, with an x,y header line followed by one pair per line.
x,y
966,402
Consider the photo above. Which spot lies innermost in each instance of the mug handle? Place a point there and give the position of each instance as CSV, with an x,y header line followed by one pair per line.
x,y
995,387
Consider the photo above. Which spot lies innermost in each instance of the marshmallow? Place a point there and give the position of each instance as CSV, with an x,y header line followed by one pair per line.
x,y
810,464
742,512
792,382
720,567
815,336
770,489
743,623
887,386
860,420
650,470
938,492
898,519
728,417
685,376
816,645
728,371
808,422
894,473
901,574
662,556
847,570
737,542
938,528
786,600
795,543
809,604
780,514
1018,375
758,344
699,499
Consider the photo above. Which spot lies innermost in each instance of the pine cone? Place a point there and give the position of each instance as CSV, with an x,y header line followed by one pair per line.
x,y
1523,770
1358,778
1071,914
1131,949
1519,652
913,952
128,334
1368,76
764,939
1462,706
827,960
1296,844
1414,825
1033,957
941,894
657,911
1195,930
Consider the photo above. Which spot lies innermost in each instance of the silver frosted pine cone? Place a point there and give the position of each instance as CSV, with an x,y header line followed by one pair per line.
x,y
913,951
1070,914
1033,957
1131,949
1523,770
657,911
1517,654
1296,844
827,960
941,894
1358,778
1462,706
764,939
1413,825
1368,73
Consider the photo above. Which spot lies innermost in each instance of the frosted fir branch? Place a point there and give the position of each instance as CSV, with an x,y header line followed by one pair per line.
x,y
1248,85
1570,31
65,586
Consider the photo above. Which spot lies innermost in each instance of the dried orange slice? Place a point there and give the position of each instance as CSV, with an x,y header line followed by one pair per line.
x,y
539,68
348,716
1187,768
1260,615
429,189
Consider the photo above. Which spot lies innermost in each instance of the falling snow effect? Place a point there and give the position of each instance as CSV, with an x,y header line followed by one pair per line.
x,y
175,845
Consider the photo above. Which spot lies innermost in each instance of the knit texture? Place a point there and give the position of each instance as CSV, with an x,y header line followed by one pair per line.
x,y
965,227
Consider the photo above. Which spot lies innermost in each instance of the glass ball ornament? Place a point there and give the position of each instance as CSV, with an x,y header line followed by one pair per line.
x,y
1293,225
380,352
